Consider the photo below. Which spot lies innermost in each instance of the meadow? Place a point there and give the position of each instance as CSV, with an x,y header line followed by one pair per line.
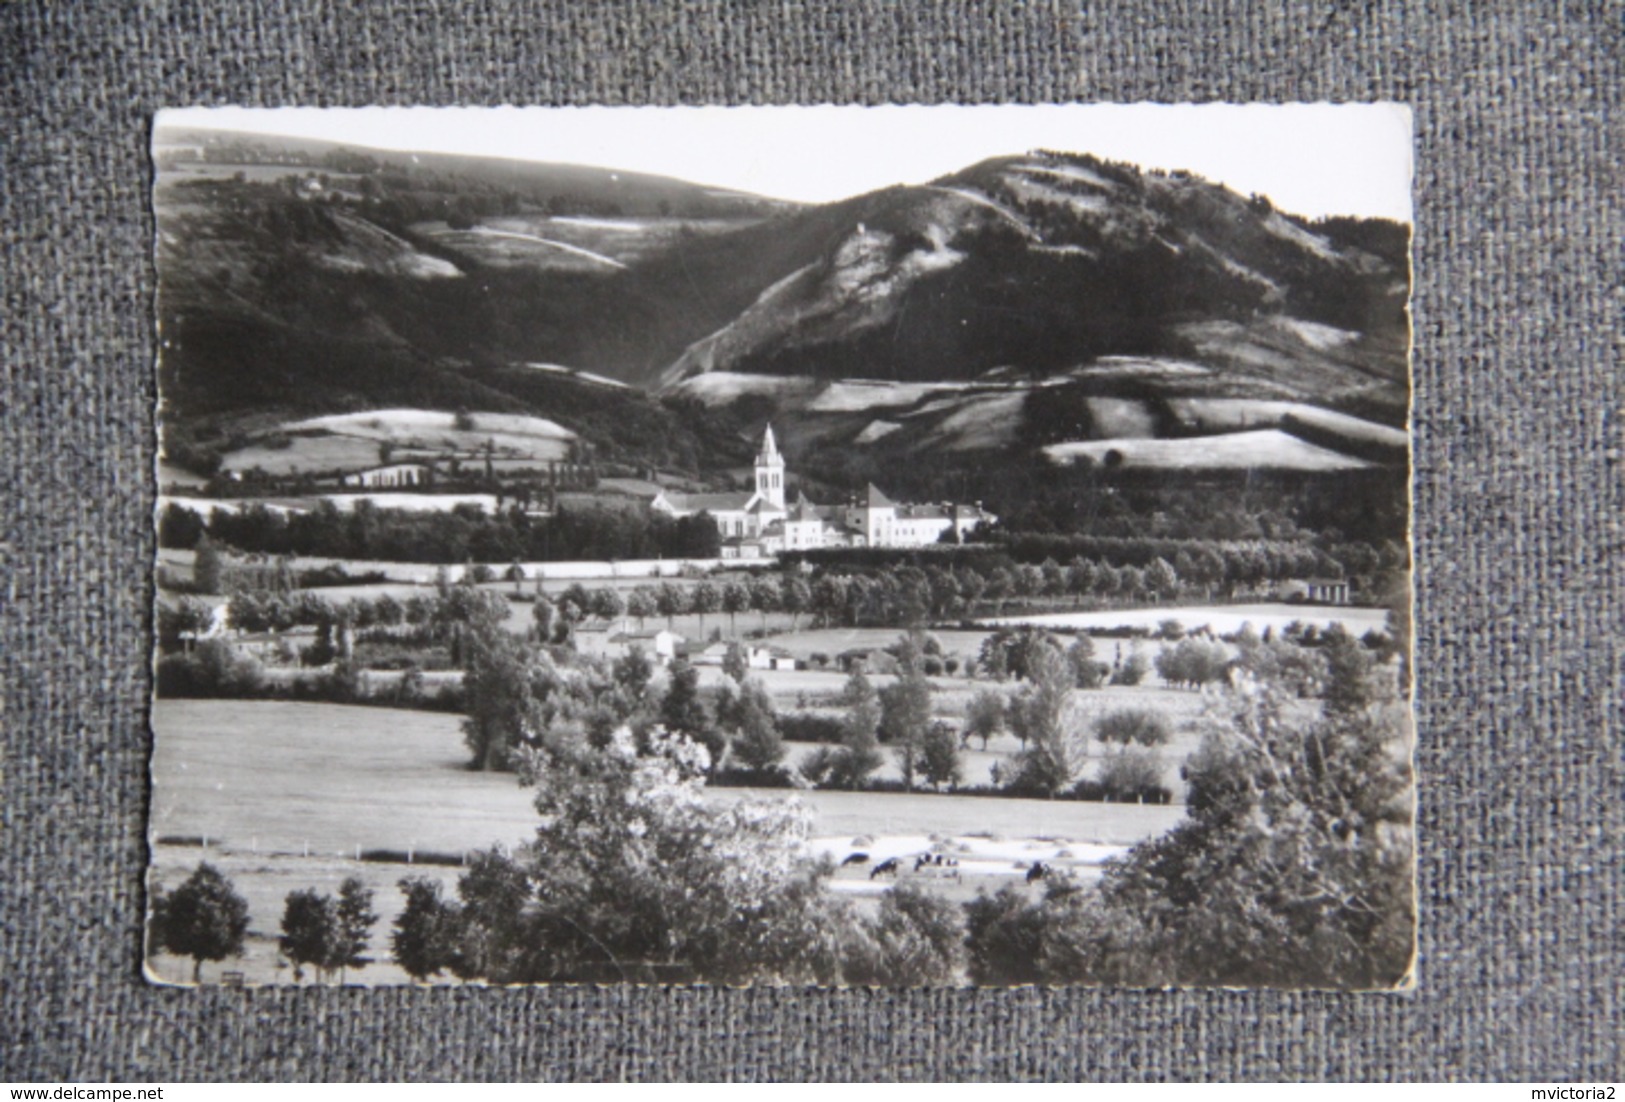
x,y
282,796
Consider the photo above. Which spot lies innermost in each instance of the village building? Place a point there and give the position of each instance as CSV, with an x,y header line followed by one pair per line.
x,y
661,646
1326,591
394,476
759,523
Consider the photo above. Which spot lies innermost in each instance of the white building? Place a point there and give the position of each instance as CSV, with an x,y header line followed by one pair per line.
x,y
661,646
741,517
395,476
759,523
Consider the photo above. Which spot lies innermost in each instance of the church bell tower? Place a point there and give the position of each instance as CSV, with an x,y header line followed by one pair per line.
x,y
770,471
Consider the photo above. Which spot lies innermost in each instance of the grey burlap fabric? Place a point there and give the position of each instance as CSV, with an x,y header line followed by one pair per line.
x,y
1518,326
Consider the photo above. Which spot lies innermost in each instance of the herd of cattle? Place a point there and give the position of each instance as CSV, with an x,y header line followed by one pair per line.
x,y
924,862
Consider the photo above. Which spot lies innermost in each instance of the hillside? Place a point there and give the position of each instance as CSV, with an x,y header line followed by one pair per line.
x,y
1045,263
1023,304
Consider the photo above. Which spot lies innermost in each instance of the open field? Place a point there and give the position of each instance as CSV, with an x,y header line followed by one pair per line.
x,y
274,776
285,794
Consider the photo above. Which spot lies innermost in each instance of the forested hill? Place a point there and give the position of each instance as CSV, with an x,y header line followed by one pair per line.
x,y
301,278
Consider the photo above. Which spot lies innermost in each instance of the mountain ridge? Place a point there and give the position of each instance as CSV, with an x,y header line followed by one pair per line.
x,y
340,286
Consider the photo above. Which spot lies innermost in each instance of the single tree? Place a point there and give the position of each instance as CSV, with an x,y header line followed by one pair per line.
x,y
205,919
985,716
640,603
764,597
1161,579
309,931
941,762
860,746
1052,751
759,745
497,697
424,941
794,597
607,603
671,601
735,599
704,599
355,921
208,570
734,662
633,671
1132,670
1086,672
905,710
544,614
683,712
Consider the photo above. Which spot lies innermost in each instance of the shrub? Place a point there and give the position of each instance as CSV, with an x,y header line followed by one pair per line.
x,y
1133,725
1131,773
1088,673
1004,938
818,767
1194,662
214,669
1132,671
839,767
810,727
917,937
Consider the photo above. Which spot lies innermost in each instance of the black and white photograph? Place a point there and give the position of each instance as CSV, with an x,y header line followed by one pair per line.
x,y
832,546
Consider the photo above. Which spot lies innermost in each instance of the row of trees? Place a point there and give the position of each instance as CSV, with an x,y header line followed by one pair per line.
x,y
206,918
1079,567
456,535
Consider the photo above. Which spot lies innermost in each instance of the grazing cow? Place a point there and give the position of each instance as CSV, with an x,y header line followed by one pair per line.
x,y
921,861
1038,872
855,859
888,867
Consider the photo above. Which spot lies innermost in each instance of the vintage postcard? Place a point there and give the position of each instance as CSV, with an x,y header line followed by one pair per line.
x,y
843,546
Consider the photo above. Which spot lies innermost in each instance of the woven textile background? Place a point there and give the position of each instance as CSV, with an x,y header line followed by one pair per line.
x,y
1519,535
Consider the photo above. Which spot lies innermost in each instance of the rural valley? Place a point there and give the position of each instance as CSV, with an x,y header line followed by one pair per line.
x,y
578,575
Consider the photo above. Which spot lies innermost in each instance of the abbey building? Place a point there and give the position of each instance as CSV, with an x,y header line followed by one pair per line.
x,y
762,522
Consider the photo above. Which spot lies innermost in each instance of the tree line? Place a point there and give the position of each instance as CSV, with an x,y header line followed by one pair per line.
x,y
462,533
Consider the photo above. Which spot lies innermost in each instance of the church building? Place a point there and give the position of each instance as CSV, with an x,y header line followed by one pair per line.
x,y
758,523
